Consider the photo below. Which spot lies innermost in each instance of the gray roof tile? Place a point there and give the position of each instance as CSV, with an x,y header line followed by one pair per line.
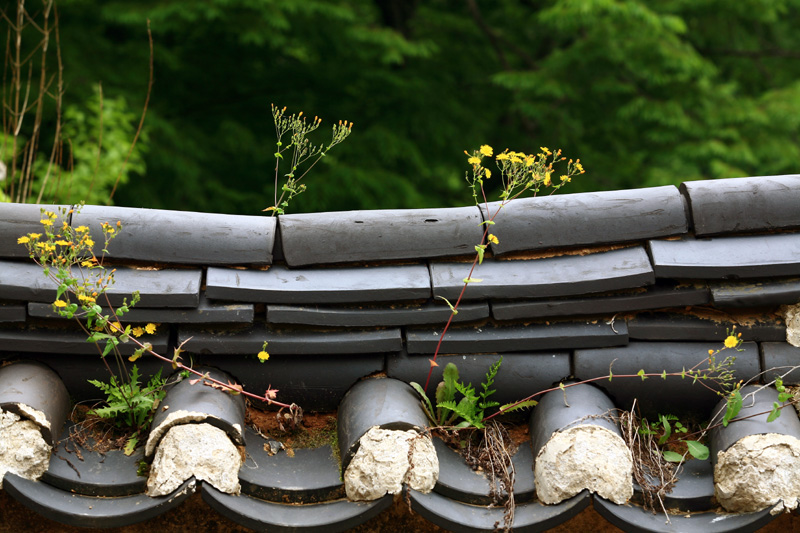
x,y
588,219
206,312
779,359
744,204
64,340
566,275
157,288
755,256
685,327
289,342
13,313
17,220
183,236
281,285
658,296
517,338
352,236
680,395
374,316
760,293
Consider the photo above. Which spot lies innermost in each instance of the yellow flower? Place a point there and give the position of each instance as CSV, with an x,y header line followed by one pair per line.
x,y
545,150
60,303
89,243
501,157
492,239
46,222
23,240
547,181
711,352
86,299
529,161
62,242
81,229
474,160
87,263
487,150
34,236
263,356
49,214
731,342
137,331
150,328
488,173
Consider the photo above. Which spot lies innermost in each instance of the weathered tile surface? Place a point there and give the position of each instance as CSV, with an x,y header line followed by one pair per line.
x,y
281,285
351,236
182,236
289,341
566,275
64,340
760,293
685,327
587,219
660,295
157,288
654,394
756,256
17,220
744,204
533,337
374,316
206,312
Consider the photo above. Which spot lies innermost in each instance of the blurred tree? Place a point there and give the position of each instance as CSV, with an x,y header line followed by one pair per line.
x,y
646,92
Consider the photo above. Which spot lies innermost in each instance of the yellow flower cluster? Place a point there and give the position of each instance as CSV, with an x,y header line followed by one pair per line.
x,y
263,356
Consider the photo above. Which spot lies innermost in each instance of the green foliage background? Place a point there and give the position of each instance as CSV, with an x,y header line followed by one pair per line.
x,y
645,92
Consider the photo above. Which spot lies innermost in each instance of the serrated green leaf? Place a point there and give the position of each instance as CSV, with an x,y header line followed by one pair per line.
x,y
510,407
733,408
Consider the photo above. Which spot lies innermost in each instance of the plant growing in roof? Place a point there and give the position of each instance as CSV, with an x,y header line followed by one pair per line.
x,y
67,257
300,151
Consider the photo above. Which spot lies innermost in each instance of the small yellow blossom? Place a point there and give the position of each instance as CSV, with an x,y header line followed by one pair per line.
x,y
34,236
263,356
81,229
731,342
89,243
86,299
150,328
474,160
60,303
529,161
487,150
137,331
62,242
492,239
46,222
23,240
545,150
501,157
488,173
547,181
87,263
49,214
711,352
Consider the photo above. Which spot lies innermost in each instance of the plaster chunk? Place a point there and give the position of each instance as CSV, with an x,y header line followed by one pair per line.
x,y
381,465
23,450
199,450
791,314
757,472
172,419
584,457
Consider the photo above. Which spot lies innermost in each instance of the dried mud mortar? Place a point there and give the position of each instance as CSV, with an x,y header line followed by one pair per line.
x,y
23,450
757,472
584,457
386,459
